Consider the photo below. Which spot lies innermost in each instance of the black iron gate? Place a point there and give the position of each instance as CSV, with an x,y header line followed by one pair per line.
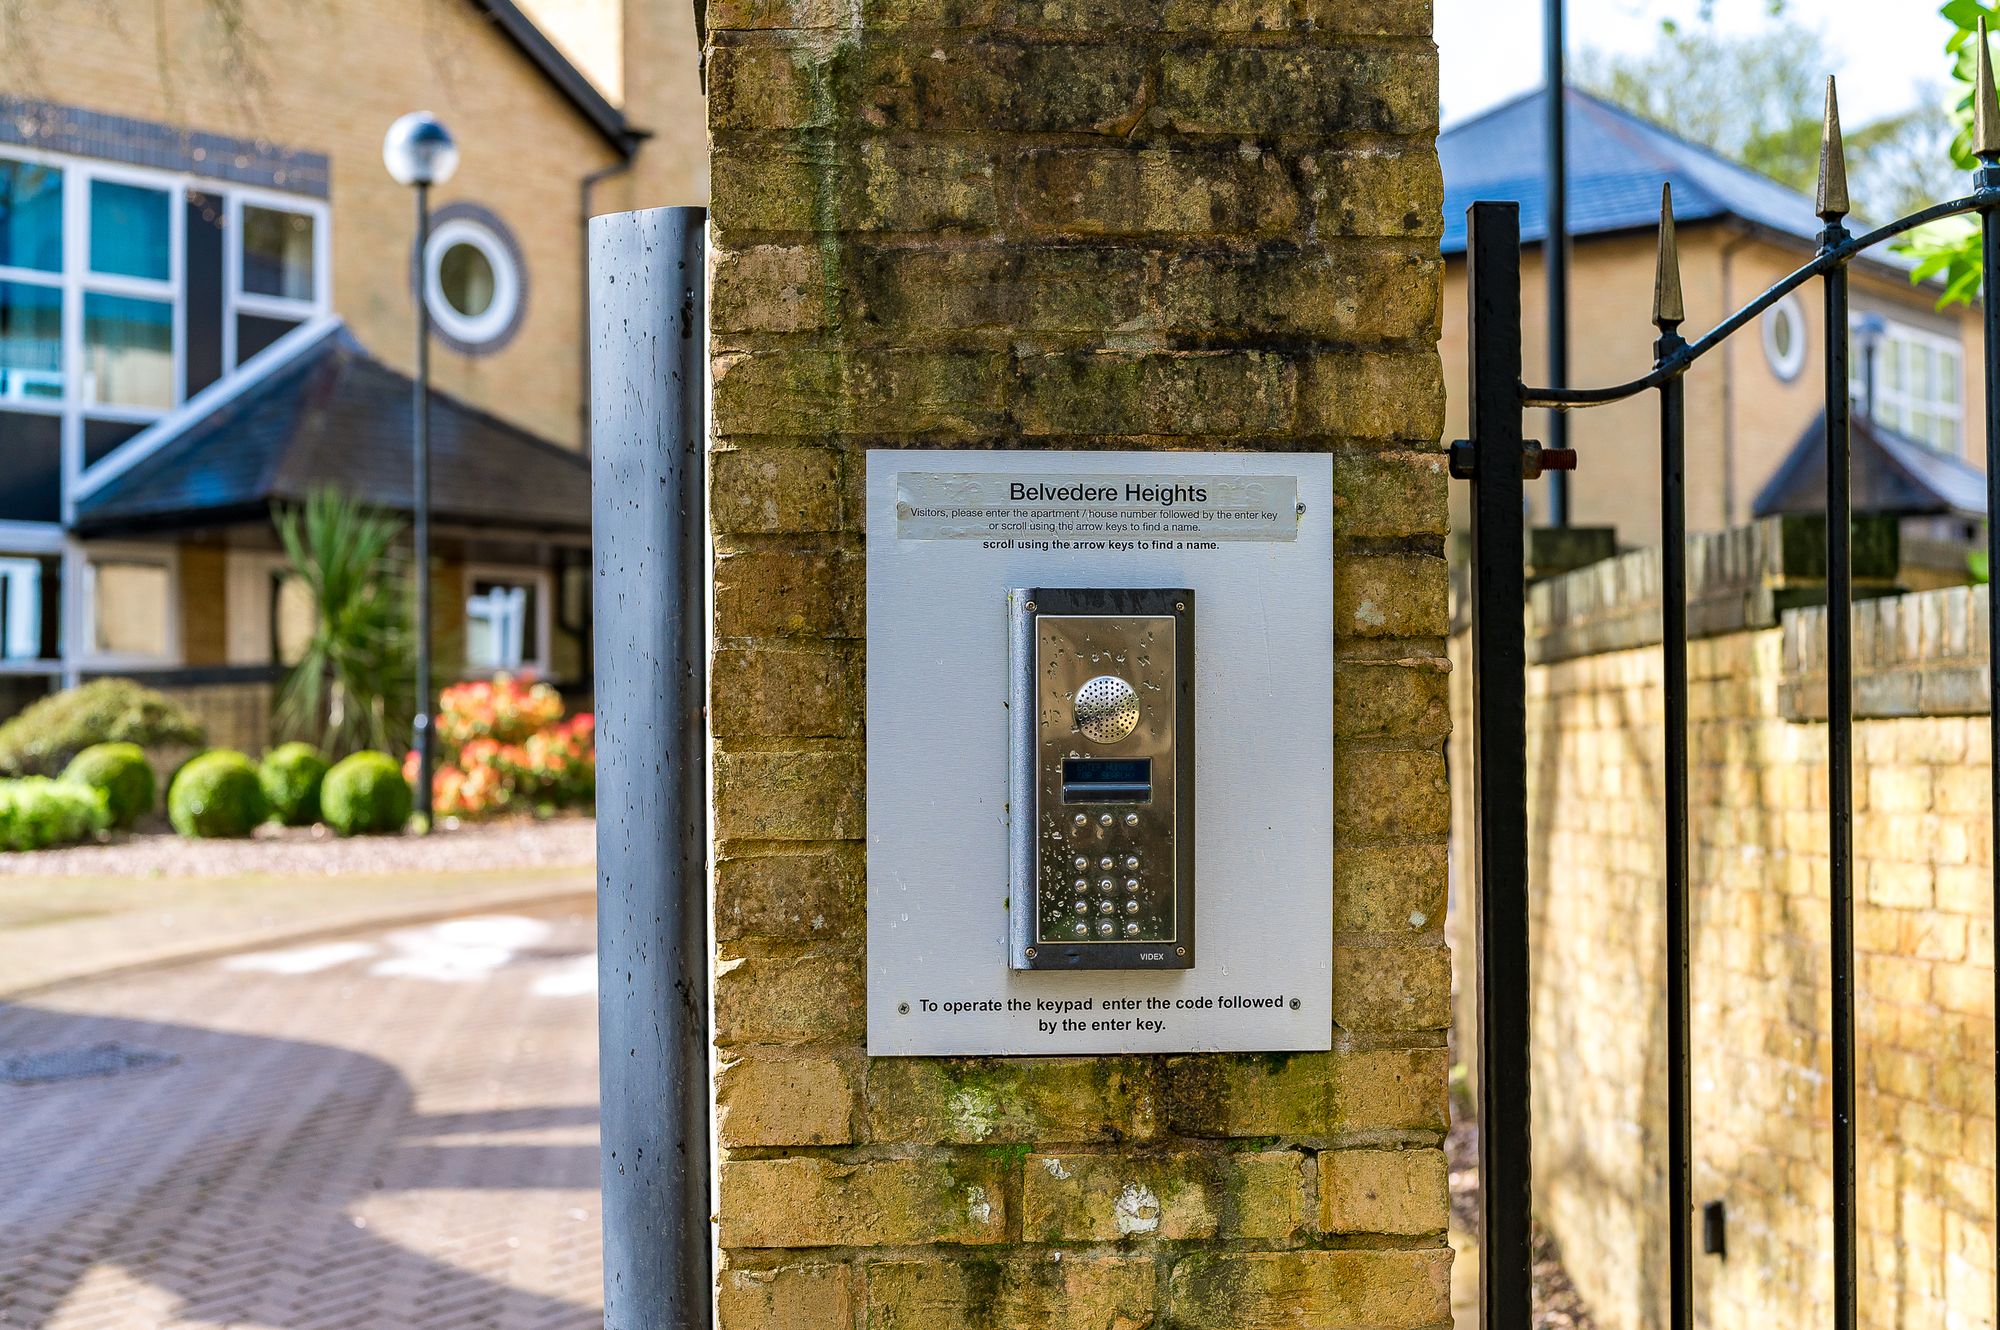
x,y
1498,462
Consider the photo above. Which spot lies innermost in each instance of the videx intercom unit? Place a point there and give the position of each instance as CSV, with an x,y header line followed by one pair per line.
x,y
1101,767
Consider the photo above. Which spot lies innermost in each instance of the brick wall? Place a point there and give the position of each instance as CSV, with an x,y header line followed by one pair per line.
x,y
1070,223
1761,947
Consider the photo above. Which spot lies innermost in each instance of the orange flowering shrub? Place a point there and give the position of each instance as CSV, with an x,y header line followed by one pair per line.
x,y
507,748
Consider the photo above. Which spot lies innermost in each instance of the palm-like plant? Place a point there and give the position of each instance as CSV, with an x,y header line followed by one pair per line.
x,y
351,688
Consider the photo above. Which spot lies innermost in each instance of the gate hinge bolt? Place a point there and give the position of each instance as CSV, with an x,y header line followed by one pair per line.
x,y
1535,460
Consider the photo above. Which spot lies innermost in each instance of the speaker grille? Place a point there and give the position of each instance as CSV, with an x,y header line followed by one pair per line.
x,y
1107,709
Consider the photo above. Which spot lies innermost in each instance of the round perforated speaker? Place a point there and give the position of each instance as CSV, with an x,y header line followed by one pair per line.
x,y
1107,709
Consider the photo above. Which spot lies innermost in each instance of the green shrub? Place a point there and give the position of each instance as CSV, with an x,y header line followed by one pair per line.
x,y
121,771
365,793
217,794
44,738
36,812
292,774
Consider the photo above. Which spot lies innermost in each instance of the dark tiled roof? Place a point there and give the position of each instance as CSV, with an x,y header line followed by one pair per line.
x,y
331,415
1894,476
1617,162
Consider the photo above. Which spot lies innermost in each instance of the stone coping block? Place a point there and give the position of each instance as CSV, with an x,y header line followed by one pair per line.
x,y
1924,654
1743,578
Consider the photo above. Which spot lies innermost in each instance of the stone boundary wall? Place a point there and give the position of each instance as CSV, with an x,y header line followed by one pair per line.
x,y
1761,939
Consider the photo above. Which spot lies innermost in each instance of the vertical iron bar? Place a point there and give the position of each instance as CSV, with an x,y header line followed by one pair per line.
x,y
1989,226
1499,736
649,372
420,502
1555,245
1840,771
1674,643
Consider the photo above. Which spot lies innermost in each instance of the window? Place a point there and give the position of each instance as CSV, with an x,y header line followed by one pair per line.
x,y
1785,338
30,343
1919,379
31,217
503,628
130,231
123,291
21,609
277,253
128,351
473,282
131,600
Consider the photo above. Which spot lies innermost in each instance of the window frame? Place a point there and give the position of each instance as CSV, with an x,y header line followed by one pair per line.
x,y
166,557
1893,405
236,300
493,327
515,575
78,403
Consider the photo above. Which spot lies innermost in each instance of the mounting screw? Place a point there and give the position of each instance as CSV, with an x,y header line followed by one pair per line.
x,y
1031,607
1180,951
1180,605
1295,1004
902,1008
1031,953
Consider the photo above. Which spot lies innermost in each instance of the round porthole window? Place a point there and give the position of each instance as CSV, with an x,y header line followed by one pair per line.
x,y
1785,338
473,280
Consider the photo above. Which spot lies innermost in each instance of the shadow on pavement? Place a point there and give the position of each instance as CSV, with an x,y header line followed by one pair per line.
x,y
228,1187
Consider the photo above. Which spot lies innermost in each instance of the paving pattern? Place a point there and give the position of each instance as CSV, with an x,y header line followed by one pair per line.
x,y
397,1129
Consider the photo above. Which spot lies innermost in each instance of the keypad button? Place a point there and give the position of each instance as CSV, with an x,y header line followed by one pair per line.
x,y
1081,819
1082,861
1083,907
1105,907
1132,885
1107,862
1082,929
1131,819
1131,907
1081,884
1131,862
1106,929
1132,928
1104,820
1106,884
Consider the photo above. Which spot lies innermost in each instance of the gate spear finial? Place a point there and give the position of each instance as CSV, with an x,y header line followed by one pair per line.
x,y
1985,105
1669,309
1831,200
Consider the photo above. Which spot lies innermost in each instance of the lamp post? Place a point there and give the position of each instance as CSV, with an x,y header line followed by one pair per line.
x,y
1869,331
419,151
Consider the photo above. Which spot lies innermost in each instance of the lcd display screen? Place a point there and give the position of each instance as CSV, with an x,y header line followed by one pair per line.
x,y
1088,780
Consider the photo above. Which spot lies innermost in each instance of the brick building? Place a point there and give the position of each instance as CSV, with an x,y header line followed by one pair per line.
x,y
207,292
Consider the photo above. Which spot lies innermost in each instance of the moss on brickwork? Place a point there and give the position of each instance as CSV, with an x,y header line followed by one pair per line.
x,y
1199,224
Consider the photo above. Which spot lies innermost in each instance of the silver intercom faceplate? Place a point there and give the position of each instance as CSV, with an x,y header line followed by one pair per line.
x,y
1102,789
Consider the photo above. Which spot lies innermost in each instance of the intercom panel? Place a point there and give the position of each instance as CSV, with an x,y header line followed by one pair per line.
x,y
1102,778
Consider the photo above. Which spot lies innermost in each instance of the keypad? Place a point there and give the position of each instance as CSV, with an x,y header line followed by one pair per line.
x,y
1112,894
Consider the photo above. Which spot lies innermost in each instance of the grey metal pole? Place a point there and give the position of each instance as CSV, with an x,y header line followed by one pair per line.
x,y
420,411
1555,245
648,353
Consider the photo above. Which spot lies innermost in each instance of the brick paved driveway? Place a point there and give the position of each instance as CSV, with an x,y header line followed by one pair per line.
x,y
396,1129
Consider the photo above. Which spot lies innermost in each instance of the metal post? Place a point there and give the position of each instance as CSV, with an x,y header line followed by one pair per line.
x,y
1500,742
1832,206
1986,146
1669,312
1555,246
422,735
649,372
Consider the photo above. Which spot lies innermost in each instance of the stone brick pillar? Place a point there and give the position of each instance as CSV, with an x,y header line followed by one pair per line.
x,y
1182,224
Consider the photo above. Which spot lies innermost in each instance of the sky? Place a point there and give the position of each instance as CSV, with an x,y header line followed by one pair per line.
x,y
1885,49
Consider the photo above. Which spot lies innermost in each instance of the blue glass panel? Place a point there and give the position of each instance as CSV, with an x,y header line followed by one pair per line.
x,y
31,227
128,351
128,230
30,342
